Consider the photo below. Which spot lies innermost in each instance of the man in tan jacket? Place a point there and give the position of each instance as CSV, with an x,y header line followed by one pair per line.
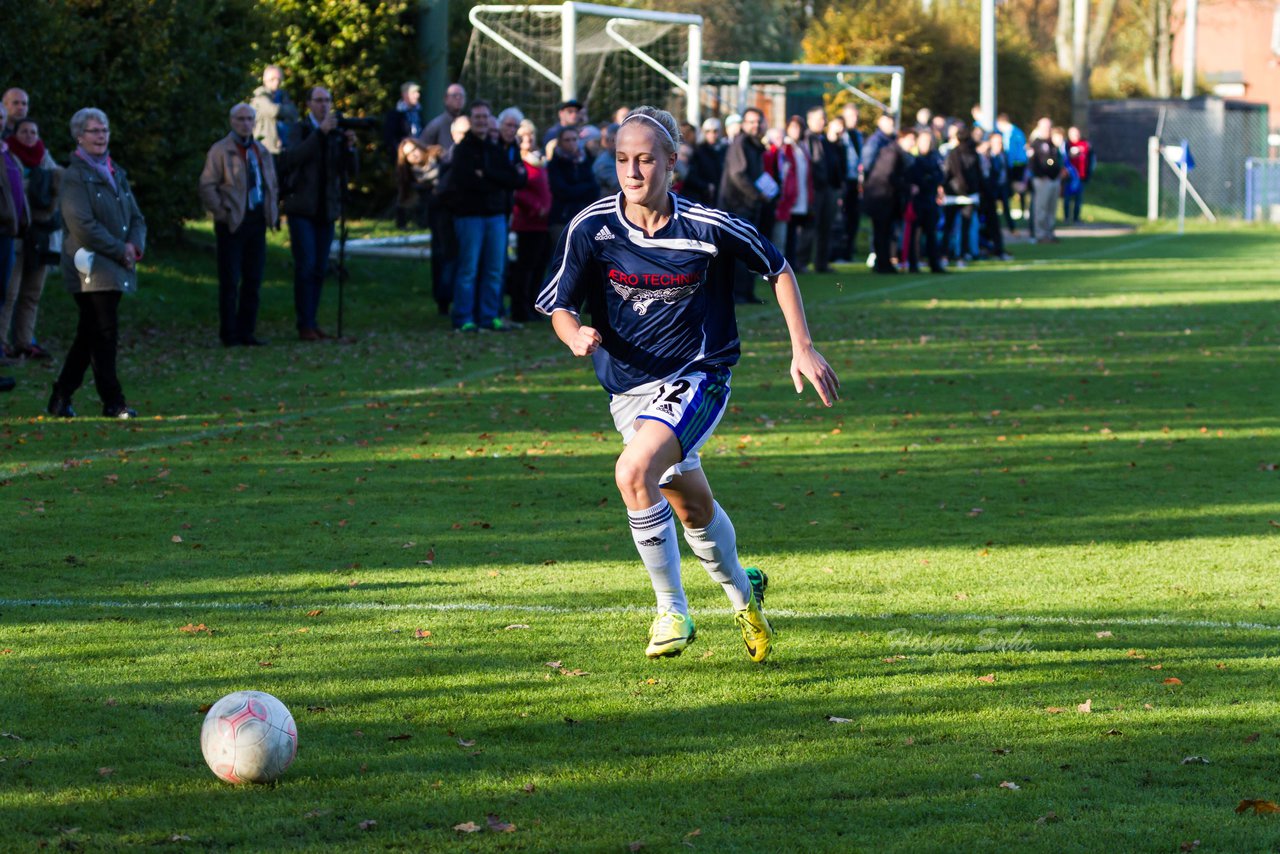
x,y
238,186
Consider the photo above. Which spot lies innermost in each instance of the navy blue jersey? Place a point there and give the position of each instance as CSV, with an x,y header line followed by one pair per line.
x,y
663,304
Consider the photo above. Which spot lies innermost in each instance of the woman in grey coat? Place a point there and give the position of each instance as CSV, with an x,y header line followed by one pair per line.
x,y
104,241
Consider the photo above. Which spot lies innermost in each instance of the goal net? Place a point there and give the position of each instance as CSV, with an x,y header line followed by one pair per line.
x,y
534,57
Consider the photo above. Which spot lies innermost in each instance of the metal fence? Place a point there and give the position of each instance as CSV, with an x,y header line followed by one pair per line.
x,y
1221,133
1262,190
1222,137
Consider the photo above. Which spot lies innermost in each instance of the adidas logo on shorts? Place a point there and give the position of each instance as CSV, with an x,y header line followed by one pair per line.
x,y
668,409
604,233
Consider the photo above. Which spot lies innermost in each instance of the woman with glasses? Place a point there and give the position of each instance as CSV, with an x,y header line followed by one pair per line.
x,y
105,237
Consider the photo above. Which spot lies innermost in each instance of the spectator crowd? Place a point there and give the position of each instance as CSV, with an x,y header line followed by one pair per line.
x,y
940,193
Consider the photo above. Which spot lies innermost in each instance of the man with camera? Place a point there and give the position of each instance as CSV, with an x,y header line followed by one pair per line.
x,y
314,167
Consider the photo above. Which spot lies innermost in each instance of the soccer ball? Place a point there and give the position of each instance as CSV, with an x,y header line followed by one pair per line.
x,y
248,737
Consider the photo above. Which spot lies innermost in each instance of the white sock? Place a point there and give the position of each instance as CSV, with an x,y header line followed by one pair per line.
x,y
717,547
654,532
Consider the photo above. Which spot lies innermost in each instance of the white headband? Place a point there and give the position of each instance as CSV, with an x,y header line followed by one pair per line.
x,y
659,125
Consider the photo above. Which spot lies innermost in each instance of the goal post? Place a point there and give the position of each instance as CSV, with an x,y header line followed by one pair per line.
x,y
750,75
584,51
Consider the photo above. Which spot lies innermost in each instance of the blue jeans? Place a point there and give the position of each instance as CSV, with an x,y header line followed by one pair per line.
x,y
309,240
477,284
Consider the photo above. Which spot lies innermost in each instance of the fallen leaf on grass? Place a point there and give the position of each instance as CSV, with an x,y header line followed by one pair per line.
x,y
835,720
467,827
175,539
529,788
1103,634
179,837
697,831
368,824
1195,760
497,825
315,612
466,742
1048,818
1258,806
515,626
553,664
266,664
1250,739
1000,751
430,558
635,846
1113,732
1009,784
1155,667
1189,846
1086,707
106,772
404,736
1172,680
421,633
990,679
191,629
573,672
1054,710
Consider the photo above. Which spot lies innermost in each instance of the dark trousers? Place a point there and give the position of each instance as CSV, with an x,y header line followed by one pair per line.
x,y
242,256
94,345
526,273
309,240
992,230
444,255
926,229
815,239
852,217
882,239
791,250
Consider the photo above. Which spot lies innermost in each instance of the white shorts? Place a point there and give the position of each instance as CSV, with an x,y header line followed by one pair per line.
x,y
691,405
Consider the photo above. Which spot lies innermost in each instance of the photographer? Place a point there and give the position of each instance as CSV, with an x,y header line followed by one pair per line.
x,y
313,168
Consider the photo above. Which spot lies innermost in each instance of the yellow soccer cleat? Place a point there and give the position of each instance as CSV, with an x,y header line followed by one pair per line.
x,y
757,634
670,634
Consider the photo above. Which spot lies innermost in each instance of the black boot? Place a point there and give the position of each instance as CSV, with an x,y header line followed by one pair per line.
x,y
60,405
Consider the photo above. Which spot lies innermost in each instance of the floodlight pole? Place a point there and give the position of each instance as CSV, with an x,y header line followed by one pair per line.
x,y
1189,50
988,77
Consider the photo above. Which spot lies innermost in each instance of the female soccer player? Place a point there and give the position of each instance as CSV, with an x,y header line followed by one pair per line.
x,y
655,272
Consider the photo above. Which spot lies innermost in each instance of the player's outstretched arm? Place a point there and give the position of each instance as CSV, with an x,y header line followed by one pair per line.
x,y
806,362
581,340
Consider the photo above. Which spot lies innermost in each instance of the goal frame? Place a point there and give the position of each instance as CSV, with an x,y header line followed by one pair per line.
x,y
566,77
750,72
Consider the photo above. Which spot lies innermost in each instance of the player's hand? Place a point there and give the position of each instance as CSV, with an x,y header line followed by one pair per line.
x,y
809,364
585,342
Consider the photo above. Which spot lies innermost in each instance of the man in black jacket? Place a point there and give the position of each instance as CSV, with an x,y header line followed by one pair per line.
x,y
313,168
739,193
479,186
827,165
924,176
706,166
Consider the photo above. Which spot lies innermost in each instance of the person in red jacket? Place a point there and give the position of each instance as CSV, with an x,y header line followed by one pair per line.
x,y
1080,155
529,221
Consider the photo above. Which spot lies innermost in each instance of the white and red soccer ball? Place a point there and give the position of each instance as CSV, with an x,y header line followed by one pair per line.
x,y
248,737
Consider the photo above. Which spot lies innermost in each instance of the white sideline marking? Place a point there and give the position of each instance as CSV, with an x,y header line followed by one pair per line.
x,y
491,607
104,453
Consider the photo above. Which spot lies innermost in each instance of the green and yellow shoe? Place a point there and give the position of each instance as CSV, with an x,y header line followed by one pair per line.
x,y
757,634
670,634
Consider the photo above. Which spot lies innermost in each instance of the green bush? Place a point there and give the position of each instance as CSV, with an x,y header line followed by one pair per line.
x,y
164,71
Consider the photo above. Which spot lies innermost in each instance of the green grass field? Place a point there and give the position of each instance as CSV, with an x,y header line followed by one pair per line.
x,y
1023,575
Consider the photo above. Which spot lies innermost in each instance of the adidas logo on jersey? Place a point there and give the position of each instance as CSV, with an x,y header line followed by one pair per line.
x,y
604,233
653,541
